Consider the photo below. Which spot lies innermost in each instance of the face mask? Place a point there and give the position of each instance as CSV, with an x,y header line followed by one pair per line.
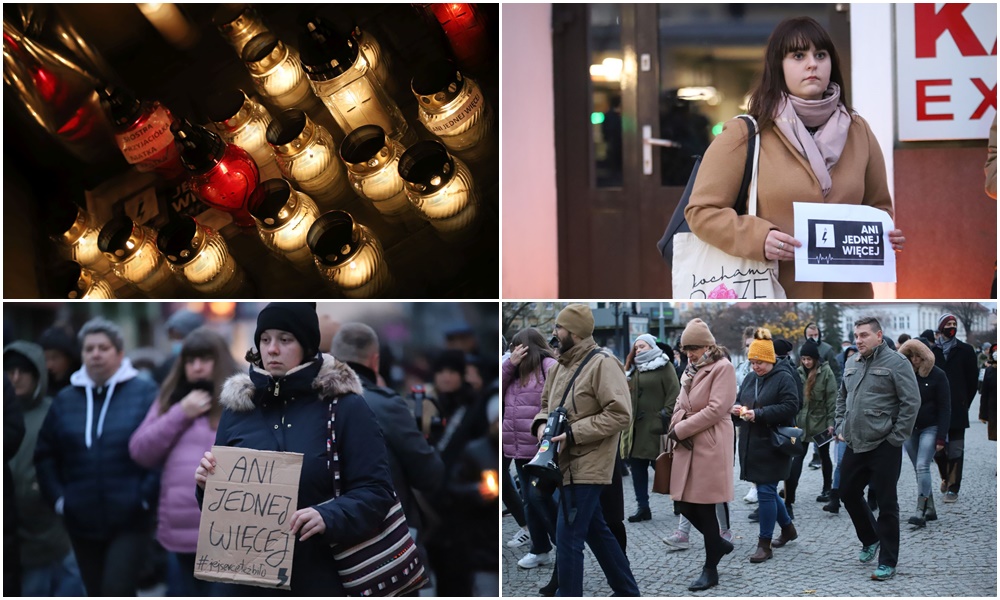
x,y
949,332
815,338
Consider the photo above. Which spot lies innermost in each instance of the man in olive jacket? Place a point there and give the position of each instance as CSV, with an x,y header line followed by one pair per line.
x,y
876,409
598,409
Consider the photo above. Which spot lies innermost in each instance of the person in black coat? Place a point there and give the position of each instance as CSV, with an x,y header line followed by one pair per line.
x,y
958,361
13,434
414,463
988,395
84,468
283,405
931,427
767,398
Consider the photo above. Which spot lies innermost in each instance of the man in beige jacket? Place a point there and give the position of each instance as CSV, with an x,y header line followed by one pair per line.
x,y
598,408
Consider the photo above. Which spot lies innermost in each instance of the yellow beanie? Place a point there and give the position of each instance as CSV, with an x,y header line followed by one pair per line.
x,y
761,348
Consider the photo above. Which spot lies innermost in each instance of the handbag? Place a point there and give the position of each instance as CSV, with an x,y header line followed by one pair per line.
x,y
385,564
789,440
661,472
702,271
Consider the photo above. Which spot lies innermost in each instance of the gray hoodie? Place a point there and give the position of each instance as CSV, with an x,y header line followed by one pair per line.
x,y
878,400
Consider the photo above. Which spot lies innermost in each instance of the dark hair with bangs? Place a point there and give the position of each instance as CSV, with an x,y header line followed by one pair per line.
x,y
200,343
795,33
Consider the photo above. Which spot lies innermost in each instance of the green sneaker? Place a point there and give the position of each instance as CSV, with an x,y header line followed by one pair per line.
x,y
883,572
868,553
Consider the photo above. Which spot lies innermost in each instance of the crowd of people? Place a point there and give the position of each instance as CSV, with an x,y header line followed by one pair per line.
x,y
106,466
871,404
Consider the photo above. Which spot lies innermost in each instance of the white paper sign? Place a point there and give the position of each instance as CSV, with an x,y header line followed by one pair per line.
x,y
844,243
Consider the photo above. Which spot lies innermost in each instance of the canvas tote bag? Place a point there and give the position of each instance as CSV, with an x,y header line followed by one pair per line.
x,y
702,271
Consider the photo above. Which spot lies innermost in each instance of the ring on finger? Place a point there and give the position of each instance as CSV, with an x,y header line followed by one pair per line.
x,y
781,245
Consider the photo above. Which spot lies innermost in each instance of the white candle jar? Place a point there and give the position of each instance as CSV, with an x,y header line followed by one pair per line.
x,y
200,255
349,256
306,156
131,250
283,217
238,24
372,160
241,120
75,282
76,231
277,73
440,186
452,107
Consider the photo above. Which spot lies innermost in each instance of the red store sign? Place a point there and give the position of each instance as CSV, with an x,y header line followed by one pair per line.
x,y
946,70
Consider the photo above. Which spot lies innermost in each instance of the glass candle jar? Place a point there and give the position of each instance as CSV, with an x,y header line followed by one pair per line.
x,y
241,120
378,61
342,77
440,186
200,255
283,218
131,249
222,175
73,281
348,255
466,31
238,24
76,231
306,156
372,160
277,74
452,107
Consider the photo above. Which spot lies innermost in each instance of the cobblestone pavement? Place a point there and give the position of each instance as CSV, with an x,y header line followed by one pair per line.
x,y
953,556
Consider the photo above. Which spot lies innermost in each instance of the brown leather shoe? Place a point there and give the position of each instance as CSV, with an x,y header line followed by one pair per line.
x,y
763,551
788,534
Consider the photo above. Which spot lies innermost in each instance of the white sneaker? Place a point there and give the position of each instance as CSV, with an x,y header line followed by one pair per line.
x,y
530,561
520,538
751,497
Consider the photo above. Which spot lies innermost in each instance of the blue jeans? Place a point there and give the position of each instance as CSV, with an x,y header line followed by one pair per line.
x,y
539,512
772,508
640,480
58,578
582,520
920,448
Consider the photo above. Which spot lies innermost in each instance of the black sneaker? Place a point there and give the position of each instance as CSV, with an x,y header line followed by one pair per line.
x,y
815,464
755,515
824,497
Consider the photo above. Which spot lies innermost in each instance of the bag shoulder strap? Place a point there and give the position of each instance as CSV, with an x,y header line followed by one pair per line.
x,y
583,363
749,166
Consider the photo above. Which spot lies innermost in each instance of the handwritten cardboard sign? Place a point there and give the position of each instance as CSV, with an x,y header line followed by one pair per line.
x,y
244,534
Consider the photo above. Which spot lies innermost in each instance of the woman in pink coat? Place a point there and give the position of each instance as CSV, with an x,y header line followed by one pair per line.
x,y
179,428
702,434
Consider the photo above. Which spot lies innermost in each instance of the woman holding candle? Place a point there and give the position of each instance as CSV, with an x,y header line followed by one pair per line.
x,y
767,397
284,405
179,427
813,148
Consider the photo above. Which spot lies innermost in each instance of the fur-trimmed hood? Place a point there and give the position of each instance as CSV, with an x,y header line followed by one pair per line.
x,y
915,347
335,378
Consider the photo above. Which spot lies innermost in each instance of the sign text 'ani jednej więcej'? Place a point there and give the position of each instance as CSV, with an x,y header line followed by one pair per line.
x,y
244,533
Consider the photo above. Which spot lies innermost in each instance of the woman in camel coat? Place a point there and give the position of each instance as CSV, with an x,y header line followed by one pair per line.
x,y
812,149
702,434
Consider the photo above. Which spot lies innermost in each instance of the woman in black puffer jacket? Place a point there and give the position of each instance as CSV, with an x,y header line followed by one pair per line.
x,y
282,405
767,397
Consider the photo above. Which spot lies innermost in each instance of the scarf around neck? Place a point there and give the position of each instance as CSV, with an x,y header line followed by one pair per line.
x,y
706,359
650,360
823,148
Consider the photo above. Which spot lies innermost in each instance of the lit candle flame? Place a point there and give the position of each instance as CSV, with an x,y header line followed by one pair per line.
x,y
489,487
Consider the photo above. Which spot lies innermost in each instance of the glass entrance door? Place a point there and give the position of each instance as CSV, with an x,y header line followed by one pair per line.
x,y
641,89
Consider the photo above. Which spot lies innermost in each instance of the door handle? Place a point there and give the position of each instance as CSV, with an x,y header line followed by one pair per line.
x,y
648,141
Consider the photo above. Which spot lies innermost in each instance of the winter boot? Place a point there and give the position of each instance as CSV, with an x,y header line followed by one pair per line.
x,y
833,506
763,551
788,534
920,519
931,514
709,578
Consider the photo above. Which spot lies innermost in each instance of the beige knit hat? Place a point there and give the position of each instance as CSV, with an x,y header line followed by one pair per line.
x,y
762,348
697,334
577,319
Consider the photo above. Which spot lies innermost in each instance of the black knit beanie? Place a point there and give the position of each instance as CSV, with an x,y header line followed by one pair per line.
x,y
297,318
810,349
450,359
57,338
